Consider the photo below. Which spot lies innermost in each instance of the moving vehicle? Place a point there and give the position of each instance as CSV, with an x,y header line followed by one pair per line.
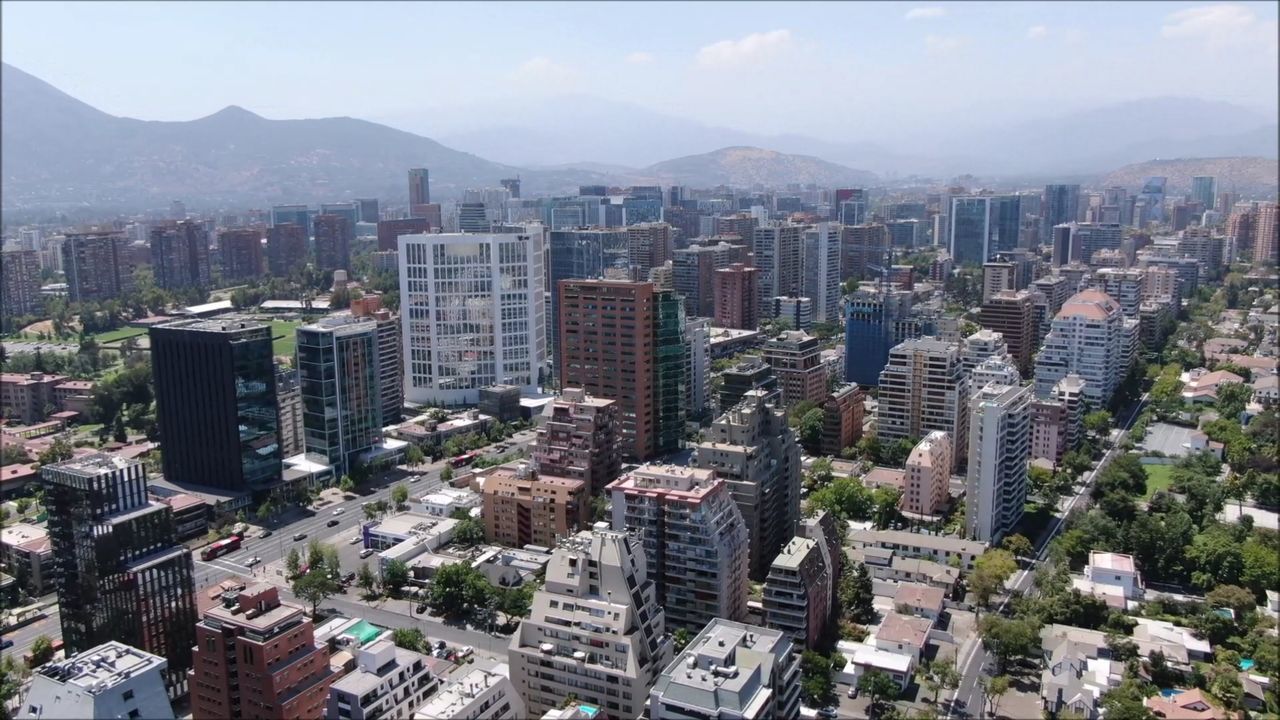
x,y
333,522
339,511
220,548
356,540
464,459
252,561
265,534
299,536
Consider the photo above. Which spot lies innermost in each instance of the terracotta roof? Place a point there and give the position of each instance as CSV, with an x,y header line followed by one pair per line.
x,y
899,628
1189,705
17,473
1091,304
916,595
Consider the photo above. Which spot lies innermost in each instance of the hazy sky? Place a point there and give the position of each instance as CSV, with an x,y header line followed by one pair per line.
x,y
825,69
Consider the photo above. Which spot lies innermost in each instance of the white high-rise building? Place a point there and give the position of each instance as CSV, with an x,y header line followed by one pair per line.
x,y
472,314
697,354
999,450
596,630
1088,337
822,271
778,249
980,346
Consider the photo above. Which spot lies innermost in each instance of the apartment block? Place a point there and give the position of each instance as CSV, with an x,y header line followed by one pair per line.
x,y
694,538
390,361
482,693
1010,314
389,231
928,475
800,590
111,680
93,264
737,297
751,447
386,682
863,248
1123,286
578,439
923,388
1088,337
778,249
180,255
289,413
694,272
697,367
525,507
338,369
241,253
730,670
842,418
795,357
999,453
333,237
649,245
257,657
20,282
595,631
820,268
286,249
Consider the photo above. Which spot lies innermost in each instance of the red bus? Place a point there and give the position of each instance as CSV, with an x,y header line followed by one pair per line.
x,y
222,547
464,459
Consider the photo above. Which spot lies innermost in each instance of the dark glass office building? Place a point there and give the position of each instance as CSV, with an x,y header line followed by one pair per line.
x,y
580,255
122,574
215,387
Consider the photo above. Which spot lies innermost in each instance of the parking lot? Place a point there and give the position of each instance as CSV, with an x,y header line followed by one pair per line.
x,y
1171,440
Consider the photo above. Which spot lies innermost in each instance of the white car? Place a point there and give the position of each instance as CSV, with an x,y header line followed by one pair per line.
x,y
252,561
415,478
340,511
355,540
366,553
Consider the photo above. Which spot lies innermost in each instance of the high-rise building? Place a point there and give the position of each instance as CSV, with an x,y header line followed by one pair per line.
x,y
1204,191
1010,314
599,583
970,233
1061,205
241,253
122,574
257,657
751,374
215,393
581,254
341,398
795,357
623,341
289,402
980,346
923,388
471,313
999,452
800,592
821,271
694,538
697,362
842,416
751,447
649,245
523,506
1087,338
419,186
997,277
1266,244
1049,425
1124,286
286,249
928,475
93,264
20,290
298,215
389,231
863,249
390,362
578,439
1088,238
367,210
386,681
332,245
1152,197
737,297
875,321
350,212
777,248
112,680
730,670
694,270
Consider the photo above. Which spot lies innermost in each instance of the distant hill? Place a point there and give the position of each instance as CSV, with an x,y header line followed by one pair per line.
x,y
746,166
1246,176
57,149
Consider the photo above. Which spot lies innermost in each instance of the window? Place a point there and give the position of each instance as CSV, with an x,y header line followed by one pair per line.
x,y
127,696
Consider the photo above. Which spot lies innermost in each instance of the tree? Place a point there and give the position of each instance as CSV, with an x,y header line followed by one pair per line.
x,y
514,603
1126,702
469,532
59,451
293,562
885,506
118,433
457,590
315,587
990,572
992,690
938,674
446,473
816,684
41,650
400,495
680,639
409,639
1019,545
395,575
846,498
1232,397
346,484
879,688
1009,640
809,430
1238,599
855,594
365,579
414,456
11,676
371,511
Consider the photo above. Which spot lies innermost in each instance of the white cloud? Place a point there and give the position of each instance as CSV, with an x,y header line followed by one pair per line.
x,y
544,71
943,44
1035,32
925,13
639,58
1215,25
745,50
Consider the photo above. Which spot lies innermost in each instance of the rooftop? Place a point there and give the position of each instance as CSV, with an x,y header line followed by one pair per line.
x,y
899,628
453,698
728,665
99,669
1111,561
94,464
916,595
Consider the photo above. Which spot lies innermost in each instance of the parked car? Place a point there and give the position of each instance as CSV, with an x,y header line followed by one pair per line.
x,y
299,536
366,553
5,643
466,652
355,540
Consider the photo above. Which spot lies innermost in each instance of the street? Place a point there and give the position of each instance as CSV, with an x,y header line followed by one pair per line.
x,y
967,701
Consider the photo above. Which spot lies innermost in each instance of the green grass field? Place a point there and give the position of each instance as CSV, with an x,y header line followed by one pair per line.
x,y
283,337
1158,478
118,335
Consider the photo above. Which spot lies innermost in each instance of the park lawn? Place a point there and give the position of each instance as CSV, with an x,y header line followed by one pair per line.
x,y
118,335
1158,478
283,337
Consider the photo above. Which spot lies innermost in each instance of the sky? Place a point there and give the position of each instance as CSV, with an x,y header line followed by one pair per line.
x,y
830,70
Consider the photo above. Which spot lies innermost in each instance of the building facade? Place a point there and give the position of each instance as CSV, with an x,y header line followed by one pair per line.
x,y
92,262
999,453
241,253
180,255
337,359
286,249
923,388
737,297
578,439
928,475
1088,337
523,506
20,288
795,357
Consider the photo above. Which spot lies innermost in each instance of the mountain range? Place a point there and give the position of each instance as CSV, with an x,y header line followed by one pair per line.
x,y
56,151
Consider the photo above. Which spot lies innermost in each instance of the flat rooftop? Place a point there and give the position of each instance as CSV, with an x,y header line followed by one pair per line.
x,y
99,669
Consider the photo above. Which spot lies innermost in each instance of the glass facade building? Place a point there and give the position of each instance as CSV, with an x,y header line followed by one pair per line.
x,y
341,394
